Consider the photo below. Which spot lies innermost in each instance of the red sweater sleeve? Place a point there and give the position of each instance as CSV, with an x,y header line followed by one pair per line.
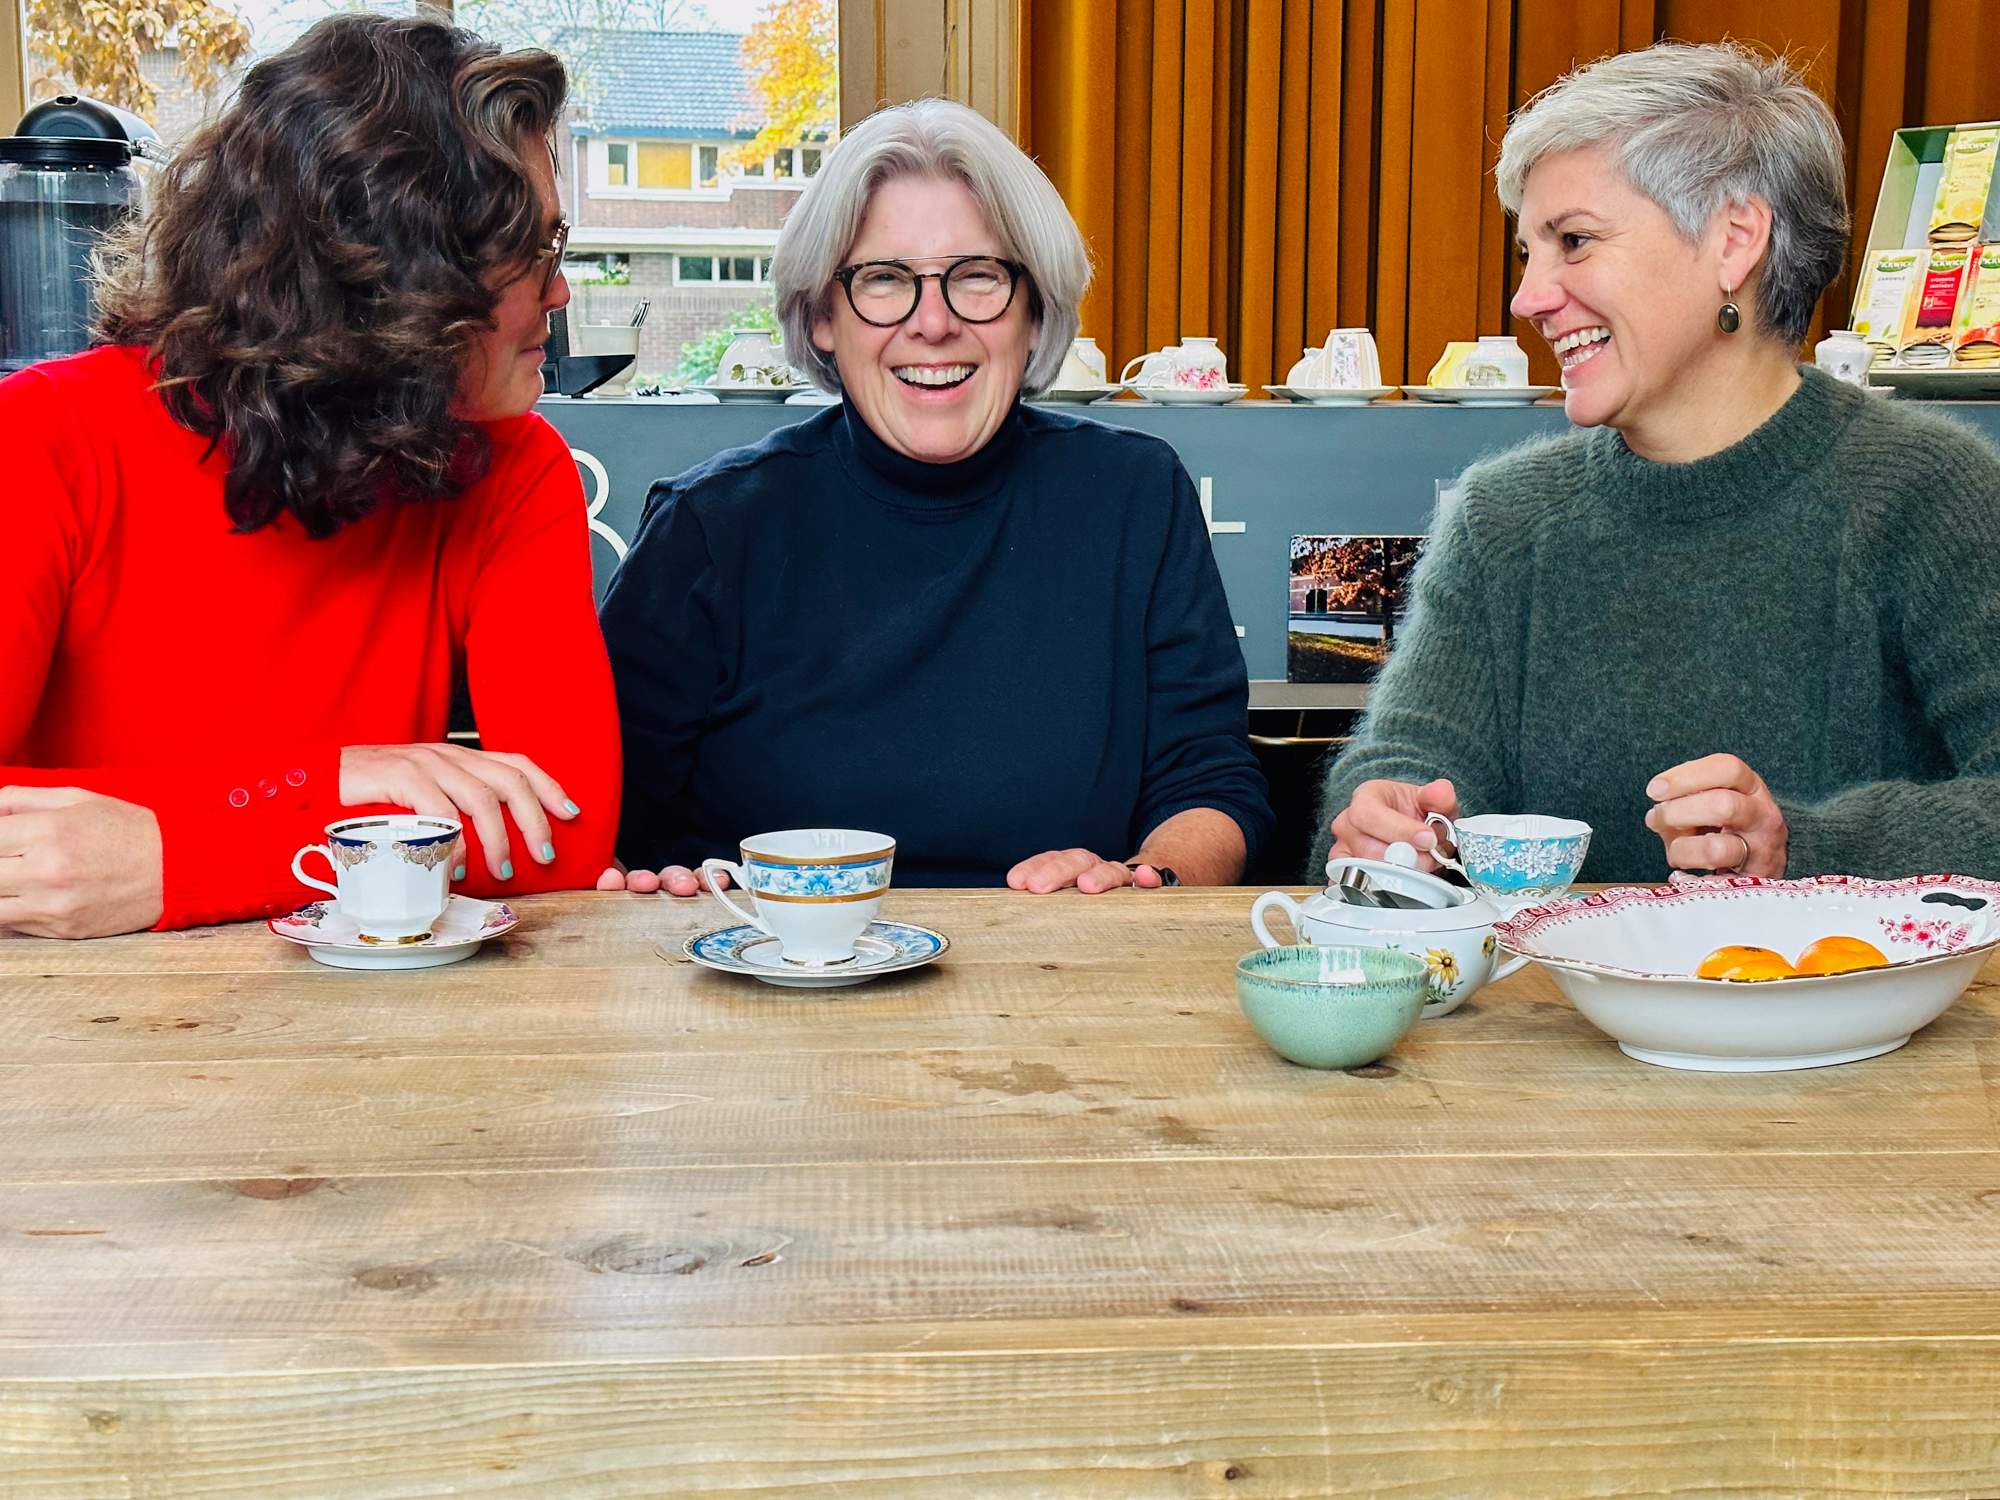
x,y
230,825
536,665
228,831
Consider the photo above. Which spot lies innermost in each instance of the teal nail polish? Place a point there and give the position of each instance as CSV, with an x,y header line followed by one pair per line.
x,y
573,808
458,872
548,853
506,869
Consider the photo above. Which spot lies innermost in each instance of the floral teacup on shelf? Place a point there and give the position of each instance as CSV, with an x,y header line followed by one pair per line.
x,y
754,358
1191,365
1347,362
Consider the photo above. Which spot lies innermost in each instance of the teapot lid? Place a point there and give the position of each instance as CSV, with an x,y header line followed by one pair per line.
x,y
1447,907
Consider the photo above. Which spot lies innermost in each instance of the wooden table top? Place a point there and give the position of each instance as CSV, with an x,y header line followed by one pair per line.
x,y
569,1220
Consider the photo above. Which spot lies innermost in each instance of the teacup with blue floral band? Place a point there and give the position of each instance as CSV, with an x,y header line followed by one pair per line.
x,y
813,889
1515,858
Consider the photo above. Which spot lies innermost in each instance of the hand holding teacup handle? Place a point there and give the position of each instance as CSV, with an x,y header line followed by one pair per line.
x,y
736,873
1437,851
305,879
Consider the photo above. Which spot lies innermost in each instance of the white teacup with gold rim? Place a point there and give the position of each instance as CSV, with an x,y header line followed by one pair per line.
x,y
813,889
393,872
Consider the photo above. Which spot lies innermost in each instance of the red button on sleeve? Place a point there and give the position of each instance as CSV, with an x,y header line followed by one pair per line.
x,y
296,776
239,798
267,788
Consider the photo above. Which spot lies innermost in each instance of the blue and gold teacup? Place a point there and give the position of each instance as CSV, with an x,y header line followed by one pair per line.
x,y
814,889
1515,858
1333,1006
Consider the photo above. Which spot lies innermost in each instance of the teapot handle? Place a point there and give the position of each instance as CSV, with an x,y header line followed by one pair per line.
x,y
1512,966
1263,904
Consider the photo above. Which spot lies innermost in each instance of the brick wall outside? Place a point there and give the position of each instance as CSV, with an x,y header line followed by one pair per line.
x,y
747,208
679,314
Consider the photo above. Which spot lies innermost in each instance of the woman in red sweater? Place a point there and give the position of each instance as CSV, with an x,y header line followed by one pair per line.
x,y
252,542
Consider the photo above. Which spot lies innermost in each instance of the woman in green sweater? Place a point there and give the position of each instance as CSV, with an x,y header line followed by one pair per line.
x,y
1745,619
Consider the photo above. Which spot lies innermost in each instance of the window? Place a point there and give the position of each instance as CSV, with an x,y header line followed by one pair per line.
x,y
618,164
723,270
808,161
753,169
781,162
664,164
708,171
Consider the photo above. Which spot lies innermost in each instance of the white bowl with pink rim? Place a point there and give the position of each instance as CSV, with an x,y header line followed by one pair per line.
x,y
1626,959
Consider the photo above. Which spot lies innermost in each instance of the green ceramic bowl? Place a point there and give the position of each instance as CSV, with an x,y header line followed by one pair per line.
x,y
1328,1007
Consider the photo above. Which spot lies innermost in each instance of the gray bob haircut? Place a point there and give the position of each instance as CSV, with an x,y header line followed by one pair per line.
x,y
1697,128
931,138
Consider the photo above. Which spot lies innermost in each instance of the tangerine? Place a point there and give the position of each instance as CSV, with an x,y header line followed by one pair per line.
x,y
1745,964
1840,955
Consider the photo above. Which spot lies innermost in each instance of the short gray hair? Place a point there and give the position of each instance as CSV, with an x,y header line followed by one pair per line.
x,y
931,138
1697,128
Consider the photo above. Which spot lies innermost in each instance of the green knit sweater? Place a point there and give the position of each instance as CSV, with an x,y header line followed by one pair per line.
x,y
1822,599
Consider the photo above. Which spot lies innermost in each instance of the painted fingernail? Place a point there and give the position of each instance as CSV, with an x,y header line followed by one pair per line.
x,y
458,872
548,853
573,808
506,869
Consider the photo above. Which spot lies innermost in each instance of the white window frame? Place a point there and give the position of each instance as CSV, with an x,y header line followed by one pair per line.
x,y
597,173
759,258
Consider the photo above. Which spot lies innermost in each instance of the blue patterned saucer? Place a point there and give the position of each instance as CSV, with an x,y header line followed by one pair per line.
x,y
884,948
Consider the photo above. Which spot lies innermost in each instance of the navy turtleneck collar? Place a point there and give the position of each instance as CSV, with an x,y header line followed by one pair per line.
x,y
895,479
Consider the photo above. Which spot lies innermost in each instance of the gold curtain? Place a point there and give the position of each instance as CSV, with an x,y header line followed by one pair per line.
x,y
1260,171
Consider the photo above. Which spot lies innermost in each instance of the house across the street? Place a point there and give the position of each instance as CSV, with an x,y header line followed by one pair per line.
x,y
655,211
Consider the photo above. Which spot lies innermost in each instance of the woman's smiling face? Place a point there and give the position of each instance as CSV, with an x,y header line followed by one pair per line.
x,y
1625,301
934,387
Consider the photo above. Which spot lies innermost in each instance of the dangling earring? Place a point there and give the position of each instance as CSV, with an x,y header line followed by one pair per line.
x,y
1730,318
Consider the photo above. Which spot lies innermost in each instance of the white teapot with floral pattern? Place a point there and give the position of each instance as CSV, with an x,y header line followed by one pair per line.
x,y
1452,932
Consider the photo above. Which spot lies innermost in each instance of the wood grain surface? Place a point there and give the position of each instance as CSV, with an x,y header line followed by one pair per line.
x,y
576,1220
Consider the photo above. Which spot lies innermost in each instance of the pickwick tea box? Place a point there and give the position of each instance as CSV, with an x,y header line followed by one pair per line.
x,y
1927,289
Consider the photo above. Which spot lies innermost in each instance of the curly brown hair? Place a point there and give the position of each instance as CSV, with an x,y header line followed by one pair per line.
x,y
314,266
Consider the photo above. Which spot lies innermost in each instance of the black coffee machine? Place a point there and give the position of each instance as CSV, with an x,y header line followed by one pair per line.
x,y
65,179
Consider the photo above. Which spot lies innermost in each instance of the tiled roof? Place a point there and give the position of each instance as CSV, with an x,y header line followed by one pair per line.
x,y
688,83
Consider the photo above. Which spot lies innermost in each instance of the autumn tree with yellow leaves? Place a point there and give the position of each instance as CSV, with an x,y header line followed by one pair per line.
x,y
94,46
793,57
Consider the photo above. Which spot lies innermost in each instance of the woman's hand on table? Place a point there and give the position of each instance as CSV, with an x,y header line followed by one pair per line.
x,y
674,880
74,864
1200,846
1382,813
1716,814
1059,869
472,786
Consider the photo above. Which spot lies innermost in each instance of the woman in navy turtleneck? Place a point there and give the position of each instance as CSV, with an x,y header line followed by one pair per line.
x,y
993,632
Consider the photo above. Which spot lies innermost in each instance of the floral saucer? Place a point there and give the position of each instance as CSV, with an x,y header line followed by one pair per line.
x,y
329,935
884,948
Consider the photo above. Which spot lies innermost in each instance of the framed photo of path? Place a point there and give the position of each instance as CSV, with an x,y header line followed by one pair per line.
x,y
1348,595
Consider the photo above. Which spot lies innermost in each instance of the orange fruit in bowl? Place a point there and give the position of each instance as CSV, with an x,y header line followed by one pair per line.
x,y
1840,955
1744,963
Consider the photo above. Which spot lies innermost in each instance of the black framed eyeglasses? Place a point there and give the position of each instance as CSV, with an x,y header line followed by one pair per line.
x,y
552,253
977,288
